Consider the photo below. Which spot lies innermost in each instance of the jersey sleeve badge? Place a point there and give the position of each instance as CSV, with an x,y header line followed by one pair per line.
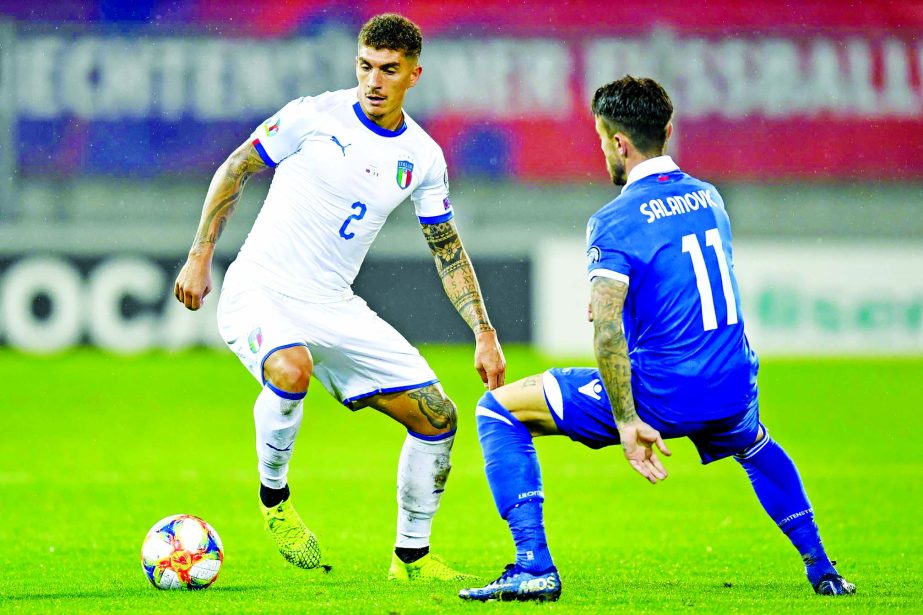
x,y
272,126
593,255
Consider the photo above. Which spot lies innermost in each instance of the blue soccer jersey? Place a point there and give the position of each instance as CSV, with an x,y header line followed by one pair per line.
x,y
667,235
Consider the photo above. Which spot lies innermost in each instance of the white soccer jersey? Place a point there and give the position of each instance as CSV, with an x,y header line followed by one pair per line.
x,y
338,176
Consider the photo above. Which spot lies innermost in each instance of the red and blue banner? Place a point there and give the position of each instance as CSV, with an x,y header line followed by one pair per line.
x,y
821,90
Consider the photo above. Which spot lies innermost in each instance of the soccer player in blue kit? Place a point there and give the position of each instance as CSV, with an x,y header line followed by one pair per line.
x,y
673,359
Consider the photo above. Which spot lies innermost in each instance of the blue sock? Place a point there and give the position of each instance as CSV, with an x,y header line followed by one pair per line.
x,y
781,492
515,481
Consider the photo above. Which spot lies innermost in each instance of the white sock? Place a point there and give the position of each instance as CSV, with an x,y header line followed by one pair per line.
x,y
277,422
421,476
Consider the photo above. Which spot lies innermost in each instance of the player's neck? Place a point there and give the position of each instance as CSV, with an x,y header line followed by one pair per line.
x,y
390,121
634,159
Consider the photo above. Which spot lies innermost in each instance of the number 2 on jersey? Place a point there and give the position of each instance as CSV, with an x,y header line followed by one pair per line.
x,y
360,213
692,247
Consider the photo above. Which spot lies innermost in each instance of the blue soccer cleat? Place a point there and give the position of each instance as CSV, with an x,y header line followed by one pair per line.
x,y
832,584
517,584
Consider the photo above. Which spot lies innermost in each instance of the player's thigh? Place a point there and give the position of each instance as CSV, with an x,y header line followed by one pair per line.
x,y
739,434
358,355
525,399
427,410
263,332
580,406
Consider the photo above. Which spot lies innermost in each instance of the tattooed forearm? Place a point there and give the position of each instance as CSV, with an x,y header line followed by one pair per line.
x,y
611,347
435,406
224,193
457,274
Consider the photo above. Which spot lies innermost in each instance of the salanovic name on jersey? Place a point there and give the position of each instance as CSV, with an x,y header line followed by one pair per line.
x,y
337,177
667,235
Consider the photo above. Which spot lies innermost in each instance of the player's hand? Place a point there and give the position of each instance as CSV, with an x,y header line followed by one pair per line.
x,y
488,359
638,439
194,281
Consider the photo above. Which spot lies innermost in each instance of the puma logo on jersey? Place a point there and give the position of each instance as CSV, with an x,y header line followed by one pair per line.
x,y
340,145
592,389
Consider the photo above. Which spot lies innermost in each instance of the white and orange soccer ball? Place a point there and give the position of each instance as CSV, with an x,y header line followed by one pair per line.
x,y
182,552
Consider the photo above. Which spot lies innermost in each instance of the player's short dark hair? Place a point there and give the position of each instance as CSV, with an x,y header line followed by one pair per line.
x,y
392,31
639,107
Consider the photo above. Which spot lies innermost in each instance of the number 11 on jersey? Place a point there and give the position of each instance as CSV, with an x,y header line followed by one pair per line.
x,y
691,246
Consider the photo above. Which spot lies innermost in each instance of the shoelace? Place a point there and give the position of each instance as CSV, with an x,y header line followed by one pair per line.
x,y
507,574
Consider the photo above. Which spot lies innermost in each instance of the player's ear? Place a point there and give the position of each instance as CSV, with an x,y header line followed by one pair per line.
x,y
415,75
621,143
669,132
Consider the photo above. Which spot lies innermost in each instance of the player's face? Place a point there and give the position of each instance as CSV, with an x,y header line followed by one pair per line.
x,y
384,77
615,162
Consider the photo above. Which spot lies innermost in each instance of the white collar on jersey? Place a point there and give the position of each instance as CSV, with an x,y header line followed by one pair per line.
x,y
651,166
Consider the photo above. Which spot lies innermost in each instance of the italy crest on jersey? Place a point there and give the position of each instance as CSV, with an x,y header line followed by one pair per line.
x,y
404,173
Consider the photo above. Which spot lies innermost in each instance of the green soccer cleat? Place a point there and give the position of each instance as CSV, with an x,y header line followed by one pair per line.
x,y
294,540
428,568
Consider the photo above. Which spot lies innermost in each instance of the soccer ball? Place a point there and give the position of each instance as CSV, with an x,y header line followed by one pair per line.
x,y
182,551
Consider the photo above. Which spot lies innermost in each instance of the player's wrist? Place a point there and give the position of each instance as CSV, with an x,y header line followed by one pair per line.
x,y
202,250
629,422
484,331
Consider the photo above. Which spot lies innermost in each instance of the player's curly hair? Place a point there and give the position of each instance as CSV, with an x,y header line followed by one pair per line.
x,y
639,107
392,31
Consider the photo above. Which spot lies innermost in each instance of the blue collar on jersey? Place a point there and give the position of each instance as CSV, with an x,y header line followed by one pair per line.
x,y
651,166
378,130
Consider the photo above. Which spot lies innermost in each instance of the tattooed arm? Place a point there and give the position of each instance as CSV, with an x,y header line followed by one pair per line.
x,y
194,280
461,286
607,298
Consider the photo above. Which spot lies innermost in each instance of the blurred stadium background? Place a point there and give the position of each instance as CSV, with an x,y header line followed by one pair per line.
x,y
807,115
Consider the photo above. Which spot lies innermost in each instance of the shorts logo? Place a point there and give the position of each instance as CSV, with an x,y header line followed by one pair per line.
x,y
272,126
404,173
255,340
592,389
593,255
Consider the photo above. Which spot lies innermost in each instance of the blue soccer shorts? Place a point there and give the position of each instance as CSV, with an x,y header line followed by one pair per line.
x,y
580,408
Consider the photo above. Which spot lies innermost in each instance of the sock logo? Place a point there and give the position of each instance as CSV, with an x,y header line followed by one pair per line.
x,y
532,494
791,518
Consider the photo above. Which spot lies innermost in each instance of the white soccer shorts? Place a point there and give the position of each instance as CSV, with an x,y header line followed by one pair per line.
x,y
356,353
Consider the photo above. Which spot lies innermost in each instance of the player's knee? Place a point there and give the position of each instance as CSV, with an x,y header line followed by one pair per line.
x,y
522,404
289,371
441,417
490,408
449,412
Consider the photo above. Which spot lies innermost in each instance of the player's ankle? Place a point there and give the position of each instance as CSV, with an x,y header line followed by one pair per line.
x,y
410,555
816,565
273,497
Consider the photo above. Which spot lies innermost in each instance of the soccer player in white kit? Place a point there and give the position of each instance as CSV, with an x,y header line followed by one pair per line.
x,y
343,162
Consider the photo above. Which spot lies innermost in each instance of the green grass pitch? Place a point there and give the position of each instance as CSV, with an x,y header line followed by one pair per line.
x,y
94,448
